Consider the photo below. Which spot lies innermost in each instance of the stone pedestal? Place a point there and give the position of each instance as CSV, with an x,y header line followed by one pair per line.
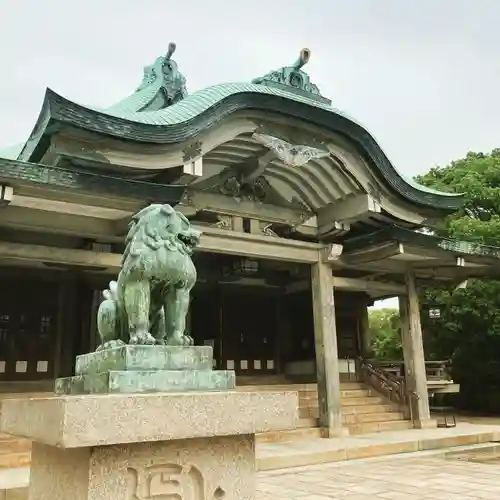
x,y
139,369
177,446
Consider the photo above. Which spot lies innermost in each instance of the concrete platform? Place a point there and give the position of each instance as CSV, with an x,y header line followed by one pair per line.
x,y
272,456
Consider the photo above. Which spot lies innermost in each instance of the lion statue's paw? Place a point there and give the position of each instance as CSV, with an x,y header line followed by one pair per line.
x,y
142,338
110,344
180,340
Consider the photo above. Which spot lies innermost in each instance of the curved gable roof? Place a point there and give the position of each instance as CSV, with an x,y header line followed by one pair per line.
x,y
190,115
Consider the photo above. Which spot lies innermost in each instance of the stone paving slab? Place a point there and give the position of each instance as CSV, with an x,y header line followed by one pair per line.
x,y
417,476
420,476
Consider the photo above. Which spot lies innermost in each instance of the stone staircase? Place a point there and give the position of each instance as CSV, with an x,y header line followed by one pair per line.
x,y
364,411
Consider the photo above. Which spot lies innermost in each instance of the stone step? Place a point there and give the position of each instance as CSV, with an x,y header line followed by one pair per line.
x,y
371,427
355,393
308,428
394,416
14,493
302,453
301,388
361,405
292,435
12,445
307,422
369,408
15,460
357,418
370,400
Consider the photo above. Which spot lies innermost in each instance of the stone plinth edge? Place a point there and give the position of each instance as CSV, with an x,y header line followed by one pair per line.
x,y
136,382
96,420
145,358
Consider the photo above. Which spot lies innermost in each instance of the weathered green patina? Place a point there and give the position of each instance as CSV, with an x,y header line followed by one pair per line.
x,y
394,234
145,357
162,85
114,382
161,112
18,173
140,368
293,79
149,301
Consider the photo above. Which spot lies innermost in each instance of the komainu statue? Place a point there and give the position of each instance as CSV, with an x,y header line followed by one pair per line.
x,y
149,301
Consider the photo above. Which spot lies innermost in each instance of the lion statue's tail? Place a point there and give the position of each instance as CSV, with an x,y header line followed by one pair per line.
x,y
111,293
108,321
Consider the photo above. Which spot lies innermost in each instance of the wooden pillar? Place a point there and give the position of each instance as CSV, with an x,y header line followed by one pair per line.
x,y
364,332
67,336
280,333
413,352
327,360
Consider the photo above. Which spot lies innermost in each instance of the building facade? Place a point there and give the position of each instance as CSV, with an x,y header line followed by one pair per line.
x,y
305,223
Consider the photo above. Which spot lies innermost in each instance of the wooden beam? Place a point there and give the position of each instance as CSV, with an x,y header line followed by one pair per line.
x,y
374,254
84,188
333,229
63,256
93,200
211,202
213,240
350,209
48,221
257,246
368,286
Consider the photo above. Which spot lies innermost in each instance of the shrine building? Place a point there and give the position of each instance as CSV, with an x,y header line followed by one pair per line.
x,y
305,224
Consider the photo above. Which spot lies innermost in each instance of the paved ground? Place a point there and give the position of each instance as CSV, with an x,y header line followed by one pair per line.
x,y
421,477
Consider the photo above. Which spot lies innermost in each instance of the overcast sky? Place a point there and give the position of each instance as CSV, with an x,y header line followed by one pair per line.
x,y
423,76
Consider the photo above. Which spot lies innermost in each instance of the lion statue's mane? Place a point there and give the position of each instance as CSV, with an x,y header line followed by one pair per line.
x,y
149,301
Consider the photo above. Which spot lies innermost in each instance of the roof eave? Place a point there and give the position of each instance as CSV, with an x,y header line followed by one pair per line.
x,y
58,109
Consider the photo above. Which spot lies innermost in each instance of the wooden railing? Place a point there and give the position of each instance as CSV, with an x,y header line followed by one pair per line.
x,y
391,386
435,370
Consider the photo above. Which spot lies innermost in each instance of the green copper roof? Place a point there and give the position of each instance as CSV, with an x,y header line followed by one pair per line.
x,y
397,234
160,111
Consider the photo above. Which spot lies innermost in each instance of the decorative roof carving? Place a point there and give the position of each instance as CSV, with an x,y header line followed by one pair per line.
x,y
257,190
290,154
166,72
293,79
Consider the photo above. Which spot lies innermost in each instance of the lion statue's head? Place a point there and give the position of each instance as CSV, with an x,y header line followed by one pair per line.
x,y
159,226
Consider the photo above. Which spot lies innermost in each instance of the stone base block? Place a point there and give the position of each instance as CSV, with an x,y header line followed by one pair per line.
x,y
127,382
145,357
217,468
330,433
426,423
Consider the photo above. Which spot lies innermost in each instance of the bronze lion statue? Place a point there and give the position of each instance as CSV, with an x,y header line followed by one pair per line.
x,y
149,302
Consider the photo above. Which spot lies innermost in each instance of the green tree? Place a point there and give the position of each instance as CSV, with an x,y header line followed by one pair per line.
x,y
468,330
385,333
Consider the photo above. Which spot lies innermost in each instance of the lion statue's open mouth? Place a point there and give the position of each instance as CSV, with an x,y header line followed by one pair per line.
x,y
190,239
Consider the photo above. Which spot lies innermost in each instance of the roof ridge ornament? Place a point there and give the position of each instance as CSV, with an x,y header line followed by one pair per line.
x,y
165,72
293,79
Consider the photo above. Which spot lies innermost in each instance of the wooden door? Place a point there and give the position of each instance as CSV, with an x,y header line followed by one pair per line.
x,y
28,326
249,326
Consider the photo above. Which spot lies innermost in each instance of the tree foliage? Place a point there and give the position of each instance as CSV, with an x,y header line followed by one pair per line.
x,y
468,330
385,333
477,176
